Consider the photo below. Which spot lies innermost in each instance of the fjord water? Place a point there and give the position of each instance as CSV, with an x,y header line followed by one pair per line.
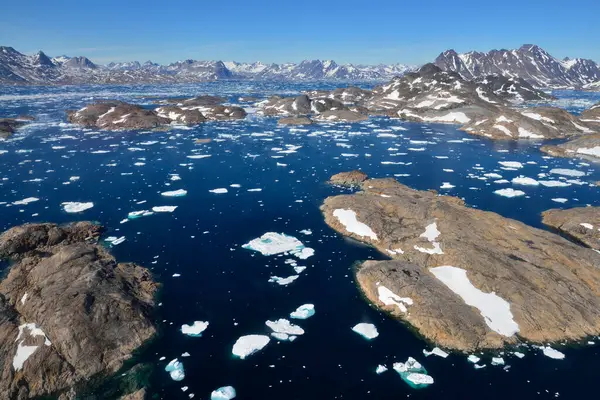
x,y
228,286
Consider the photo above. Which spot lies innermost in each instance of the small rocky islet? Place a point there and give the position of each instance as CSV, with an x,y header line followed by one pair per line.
x,y
70,314
467,279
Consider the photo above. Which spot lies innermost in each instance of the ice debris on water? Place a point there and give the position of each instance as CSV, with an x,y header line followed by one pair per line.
x,y
25,201
413,373
164,208
380,369
436,351
473,359
497,361
249,344
552,353
368,331
175,369
195,329
223,393
276,243
283,281
76,207
218,191
305,311
284,330
175,193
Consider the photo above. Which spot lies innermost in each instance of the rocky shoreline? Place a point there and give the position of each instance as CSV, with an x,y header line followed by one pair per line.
x,y
69,313
467,279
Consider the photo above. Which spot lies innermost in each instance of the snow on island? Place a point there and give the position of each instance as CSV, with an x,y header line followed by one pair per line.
x,y
389,298
431,233
494,309
352,225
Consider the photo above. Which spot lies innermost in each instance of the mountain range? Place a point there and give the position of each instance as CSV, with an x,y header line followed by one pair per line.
x,y
529,62
20,69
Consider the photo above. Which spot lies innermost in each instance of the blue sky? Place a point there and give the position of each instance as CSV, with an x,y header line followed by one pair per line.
x,y
365,31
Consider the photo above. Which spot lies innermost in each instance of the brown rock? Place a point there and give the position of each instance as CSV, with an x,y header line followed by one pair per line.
x,y
581,223
115,115
551,284
203,140
295,121
352,178
138,395
181,116
93,311
587,146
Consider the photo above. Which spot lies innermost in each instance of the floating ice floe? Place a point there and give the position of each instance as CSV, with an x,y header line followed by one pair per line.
x,y
567,172
218,191
306,232
198,156
284,330
352,225
511,164
283,281
175,193
368,331
164,208
113,240
25,201
175,369
473,359
389,298
447,185
276,243
76,207
552,353
436,351
497,361
249,344
494,309
380,369
195,329
223,393
523,180
139,214
413,373
509,192
554,183
305,311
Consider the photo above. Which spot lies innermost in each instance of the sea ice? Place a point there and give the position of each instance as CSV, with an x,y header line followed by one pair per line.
x,y
567,172
284,326
75,207
223,393
276,243
511,164
473,359
436,351
175,193
164,208
175,369
497,361
494,309
413,373
25,201
195,329
509,192
380,369
552,353
283,281
523,180
249,344
218,191
305,311
368,331
352,225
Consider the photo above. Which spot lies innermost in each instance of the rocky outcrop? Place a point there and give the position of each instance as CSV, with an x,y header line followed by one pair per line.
x,y
586,146
591,115
542,287
224,113
295,121
8,126
69,313
198,101
138,395
581,223
352,178
116,115
511,88
181,116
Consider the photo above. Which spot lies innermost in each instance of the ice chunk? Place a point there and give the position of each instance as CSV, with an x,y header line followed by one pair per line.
x,y
552,353
352,225
276,243
138,214
380,369
473,359
283,281
567,172
284,326
509,192
175,193
195,329
175,369
413,373
436,351
164,208
447,185
497,361
25,201
494,309
305,311
511,164
75,207
388,298
218,191
249,344
368,331
223,393
523,180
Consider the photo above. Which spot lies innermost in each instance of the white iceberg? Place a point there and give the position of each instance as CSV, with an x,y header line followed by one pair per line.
x,y
25,201
497,361
368,331
509,192
76,207
283,281
139,214
436,351
223,393
175,193
284,326
164,208
552,353
218,191
175,369
305,311
195,329
413,373
380,369
272,243
249,344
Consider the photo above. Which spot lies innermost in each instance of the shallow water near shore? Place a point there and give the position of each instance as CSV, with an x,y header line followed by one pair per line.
x,y
226,285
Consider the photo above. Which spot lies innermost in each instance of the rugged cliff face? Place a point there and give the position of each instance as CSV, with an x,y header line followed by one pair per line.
x,y
68,311
467,279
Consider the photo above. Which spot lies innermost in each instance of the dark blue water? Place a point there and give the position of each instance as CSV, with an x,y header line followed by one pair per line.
x,y
228,286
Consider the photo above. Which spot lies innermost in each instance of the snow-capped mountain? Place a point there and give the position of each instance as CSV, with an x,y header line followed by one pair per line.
x,y
18,68
529,62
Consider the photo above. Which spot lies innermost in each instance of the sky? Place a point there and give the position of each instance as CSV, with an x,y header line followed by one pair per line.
x,y
348,31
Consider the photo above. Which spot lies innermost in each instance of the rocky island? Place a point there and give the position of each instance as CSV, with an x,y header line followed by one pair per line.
x,y
581,223
70,315
8,126
467,279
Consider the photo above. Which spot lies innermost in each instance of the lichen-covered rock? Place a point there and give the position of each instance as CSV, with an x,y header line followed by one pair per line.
x,y
295,121
548,286
83,312
352,178
582,223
